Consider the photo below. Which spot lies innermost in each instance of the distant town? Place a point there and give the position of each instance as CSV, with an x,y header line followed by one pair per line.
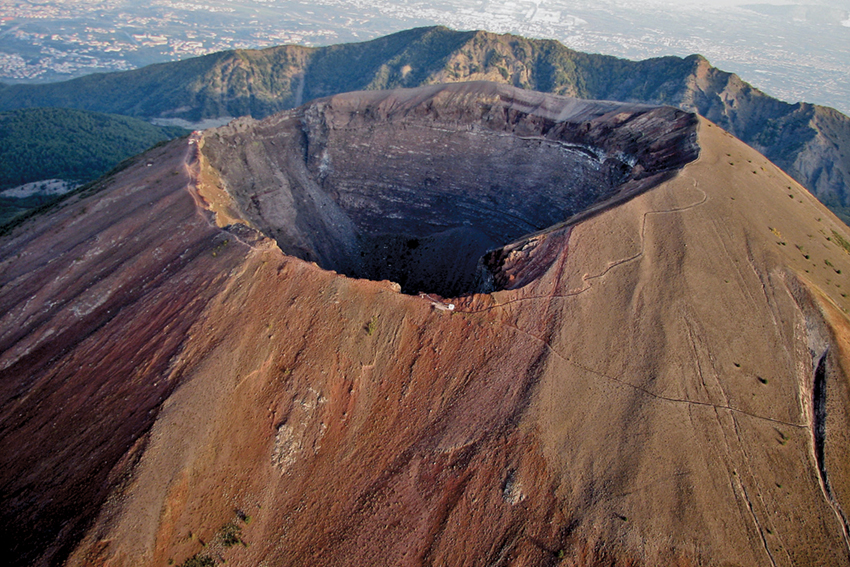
x,y
792,52
60,40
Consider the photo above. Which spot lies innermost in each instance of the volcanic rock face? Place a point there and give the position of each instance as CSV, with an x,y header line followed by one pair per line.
x,y
414,186
662,380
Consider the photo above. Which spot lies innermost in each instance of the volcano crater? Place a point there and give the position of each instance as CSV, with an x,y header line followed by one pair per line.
x,y
416,185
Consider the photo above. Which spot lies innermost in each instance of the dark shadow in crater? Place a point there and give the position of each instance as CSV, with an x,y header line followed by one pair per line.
x,y
446,263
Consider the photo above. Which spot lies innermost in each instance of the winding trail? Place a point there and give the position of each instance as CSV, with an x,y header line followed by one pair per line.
x,y
649,393
615,264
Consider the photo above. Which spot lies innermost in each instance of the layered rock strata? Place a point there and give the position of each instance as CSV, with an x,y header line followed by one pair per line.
x,y
414,185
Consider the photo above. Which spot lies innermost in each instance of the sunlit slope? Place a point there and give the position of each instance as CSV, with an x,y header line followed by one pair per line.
x,y
672,389
661,383
695,400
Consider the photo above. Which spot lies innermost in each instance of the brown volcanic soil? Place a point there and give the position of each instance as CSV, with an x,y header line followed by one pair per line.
x,y
664,382
97,299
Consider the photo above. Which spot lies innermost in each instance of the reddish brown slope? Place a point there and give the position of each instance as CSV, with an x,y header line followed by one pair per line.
x,y
96,299
666,386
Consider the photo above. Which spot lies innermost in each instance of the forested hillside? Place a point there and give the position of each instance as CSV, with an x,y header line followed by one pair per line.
x,y
72,145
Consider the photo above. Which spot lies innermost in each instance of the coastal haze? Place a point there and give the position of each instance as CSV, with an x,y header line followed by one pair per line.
x,y
794,51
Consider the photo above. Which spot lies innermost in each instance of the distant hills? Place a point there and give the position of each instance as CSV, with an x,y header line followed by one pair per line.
x,y
809,142
73,145
70,144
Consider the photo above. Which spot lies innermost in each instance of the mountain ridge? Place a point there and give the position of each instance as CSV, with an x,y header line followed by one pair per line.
x,y
809,142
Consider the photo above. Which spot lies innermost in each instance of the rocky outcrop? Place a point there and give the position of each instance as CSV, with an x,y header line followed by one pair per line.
x,y
807,141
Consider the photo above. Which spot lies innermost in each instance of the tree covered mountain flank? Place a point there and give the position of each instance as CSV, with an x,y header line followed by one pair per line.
x,y
261,82
73,145
809,142
47,143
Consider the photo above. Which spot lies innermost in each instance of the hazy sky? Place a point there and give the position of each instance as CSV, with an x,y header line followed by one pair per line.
x,y
724,3
792,53
720,3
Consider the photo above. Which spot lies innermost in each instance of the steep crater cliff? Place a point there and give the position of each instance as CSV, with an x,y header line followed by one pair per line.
x,y
416,185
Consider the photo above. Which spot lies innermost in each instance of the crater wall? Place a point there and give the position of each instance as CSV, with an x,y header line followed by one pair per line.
x,y
415,185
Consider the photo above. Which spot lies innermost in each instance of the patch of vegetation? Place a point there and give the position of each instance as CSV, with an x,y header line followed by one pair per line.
x,y
230,535
61,143
199,560
219,247
841,241
10,207
777,234
372,325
